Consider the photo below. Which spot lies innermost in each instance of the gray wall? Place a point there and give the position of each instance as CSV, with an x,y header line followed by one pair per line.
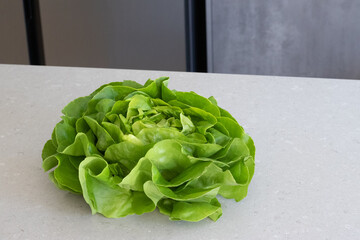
x,y
312,38
138,34
13,45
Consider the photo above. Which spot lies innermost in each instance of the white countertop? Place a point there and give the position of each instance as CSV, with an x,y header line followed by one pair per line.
x,y
307,176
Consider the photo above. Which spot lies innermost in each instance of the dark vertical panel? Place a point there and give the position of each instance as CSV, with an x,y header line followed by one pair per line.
x,y
195,25
33,31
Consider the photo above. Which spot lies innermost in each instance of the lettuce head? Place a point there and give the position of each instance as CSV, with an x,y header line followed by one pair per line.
x,y
130,148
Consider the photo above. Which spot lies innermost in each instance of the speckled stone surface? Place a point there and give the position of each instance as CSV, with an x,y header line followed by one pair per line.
x,y
307,176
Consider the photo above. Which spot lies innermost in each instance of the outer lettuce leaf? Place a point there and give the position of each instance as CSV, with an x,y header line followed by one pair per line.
x,y
103,195
196,211
129,148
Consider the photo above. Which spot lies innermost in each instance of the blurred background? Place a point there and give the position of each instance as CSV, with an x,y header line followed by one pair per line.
x,y
318,38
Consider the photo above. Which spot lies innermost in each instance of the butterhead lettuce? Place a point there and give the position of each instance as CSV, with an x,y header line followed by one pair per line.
x,y
130,148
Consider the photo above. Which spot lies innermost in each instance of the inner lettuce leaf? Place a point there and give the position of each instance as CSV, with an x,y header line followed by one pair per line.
x,y
130,148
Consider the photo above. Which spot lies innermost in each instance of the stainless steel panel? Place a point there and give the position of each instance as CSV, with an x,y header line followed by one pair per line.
x,y
279,37
116,34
